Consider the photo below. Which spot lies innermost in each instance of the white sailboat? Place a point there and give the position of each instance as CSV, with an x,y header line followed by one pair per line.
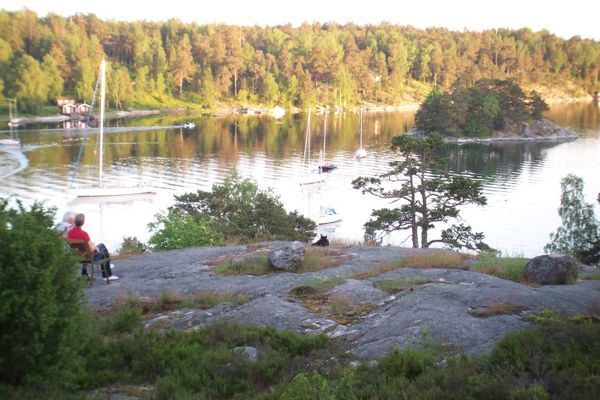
x,y
100,190
308,176
361,153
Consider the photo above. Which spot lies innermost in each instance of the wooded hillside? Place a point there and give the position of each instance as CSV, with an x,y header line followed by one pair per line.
x,y
152,64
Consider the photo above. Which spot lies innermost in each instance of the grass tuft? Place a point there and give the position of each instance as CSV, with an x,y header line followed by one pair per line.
x,y
498,308
429,259
511,268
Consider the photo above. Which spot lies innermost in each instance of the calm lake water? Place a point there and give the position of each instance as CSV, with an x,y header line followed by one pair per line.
x,y
521,181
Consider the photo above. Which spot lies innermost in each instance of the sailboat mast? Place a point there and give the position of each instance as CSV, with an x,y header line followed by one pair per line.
x,y
361,126
324,134
101,126
308,140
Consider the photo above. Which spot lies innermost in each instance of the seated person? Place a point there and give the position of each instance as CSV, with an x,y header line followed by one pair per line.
x,y
66,223
100,251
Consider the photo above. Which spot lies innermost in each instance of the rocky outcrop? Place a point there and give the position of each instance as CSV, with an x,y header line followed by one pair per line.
x,y
442,308
287,257
533,131
553,269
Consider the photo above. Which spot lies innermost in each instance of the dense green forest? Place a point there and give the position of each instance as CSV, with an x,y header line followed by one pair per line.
x,y
166,64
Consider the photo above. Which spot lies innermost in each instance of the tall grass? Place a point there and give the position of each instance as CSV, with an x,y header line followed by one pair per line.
x,y
511,268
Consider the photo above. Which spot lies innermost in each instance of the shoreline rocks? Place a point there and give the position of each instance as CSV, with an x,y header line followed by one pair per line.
x,y
536,131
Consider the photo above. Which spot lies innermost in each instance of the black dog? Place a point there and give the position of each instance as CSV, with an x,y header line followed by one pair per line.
x,y
323,241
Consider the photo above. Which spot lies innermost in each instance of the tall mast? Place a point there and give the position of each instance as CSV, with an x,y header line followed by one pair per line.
x,y
324,134
102,100
361,127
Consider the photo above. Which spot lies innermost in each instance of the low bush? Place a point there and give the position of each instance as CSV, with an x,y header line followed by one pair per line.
x,y
132,245
239,210
176,230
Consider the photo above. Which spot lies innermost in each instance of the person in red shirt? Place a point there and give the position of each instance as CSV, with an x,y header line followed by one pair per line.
x,y
100,251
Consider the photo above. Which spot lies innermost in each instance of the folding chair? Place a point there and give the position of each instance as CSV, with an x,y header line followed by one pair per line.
x,y
87,253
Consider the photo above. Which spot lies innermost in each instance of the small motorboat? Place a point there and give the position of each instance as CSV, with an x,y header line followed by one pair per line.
x,y
328,215
189,125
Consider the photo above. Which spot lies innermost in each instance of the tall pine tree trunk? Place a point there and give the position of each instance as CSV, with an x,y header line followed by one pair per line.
x,y
424,212
413,222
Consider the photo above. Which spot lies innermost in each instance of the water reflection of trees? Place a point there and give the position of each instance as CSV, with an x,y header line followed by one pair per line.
x,y
222,139
226,139
497,161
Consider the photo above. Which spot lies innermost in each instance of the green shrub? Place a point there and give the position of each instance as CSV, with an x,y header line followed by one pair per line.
x,y
132,245
177,230
240,211
41,317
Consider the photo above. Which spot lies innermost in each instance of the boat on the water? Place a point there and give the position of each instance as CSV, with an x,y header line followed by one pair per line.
x,y
328,215
189,125
100,189
9,142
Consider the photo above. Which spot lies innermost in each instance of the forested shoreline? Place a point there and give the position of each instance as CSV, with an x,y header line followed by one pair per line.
x,y
174,64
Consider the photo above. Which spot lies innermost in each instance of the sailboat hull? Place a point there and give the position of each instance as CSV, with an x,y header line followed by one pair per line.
x,y
108,191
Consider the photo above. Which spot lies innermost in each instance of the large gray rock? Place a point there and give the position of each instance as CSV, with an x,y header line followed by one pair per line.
x,y
287,257
553,269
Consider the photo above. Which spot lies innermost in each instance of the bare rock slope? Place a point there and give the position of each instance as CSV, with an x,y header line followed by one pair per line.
x,y
449,306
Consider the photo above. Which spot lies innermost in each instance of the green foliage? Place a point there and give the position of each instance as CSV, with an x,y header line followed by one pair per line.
x,y
40,299
31,88
240,211
177,230
258,264
426,198
318,63
559,355
132,245
579,230
558,359
125,319
505,267
478,110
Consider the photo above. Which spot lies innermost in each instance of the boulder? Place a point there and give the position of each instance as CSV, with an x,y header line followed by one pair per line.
x,y
248,352
287,257
553,269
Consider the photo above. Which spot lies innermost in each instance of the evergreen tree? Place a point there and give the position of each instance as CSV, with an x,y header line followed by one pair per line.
x,y
426,198
207,92
41,299
182,63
